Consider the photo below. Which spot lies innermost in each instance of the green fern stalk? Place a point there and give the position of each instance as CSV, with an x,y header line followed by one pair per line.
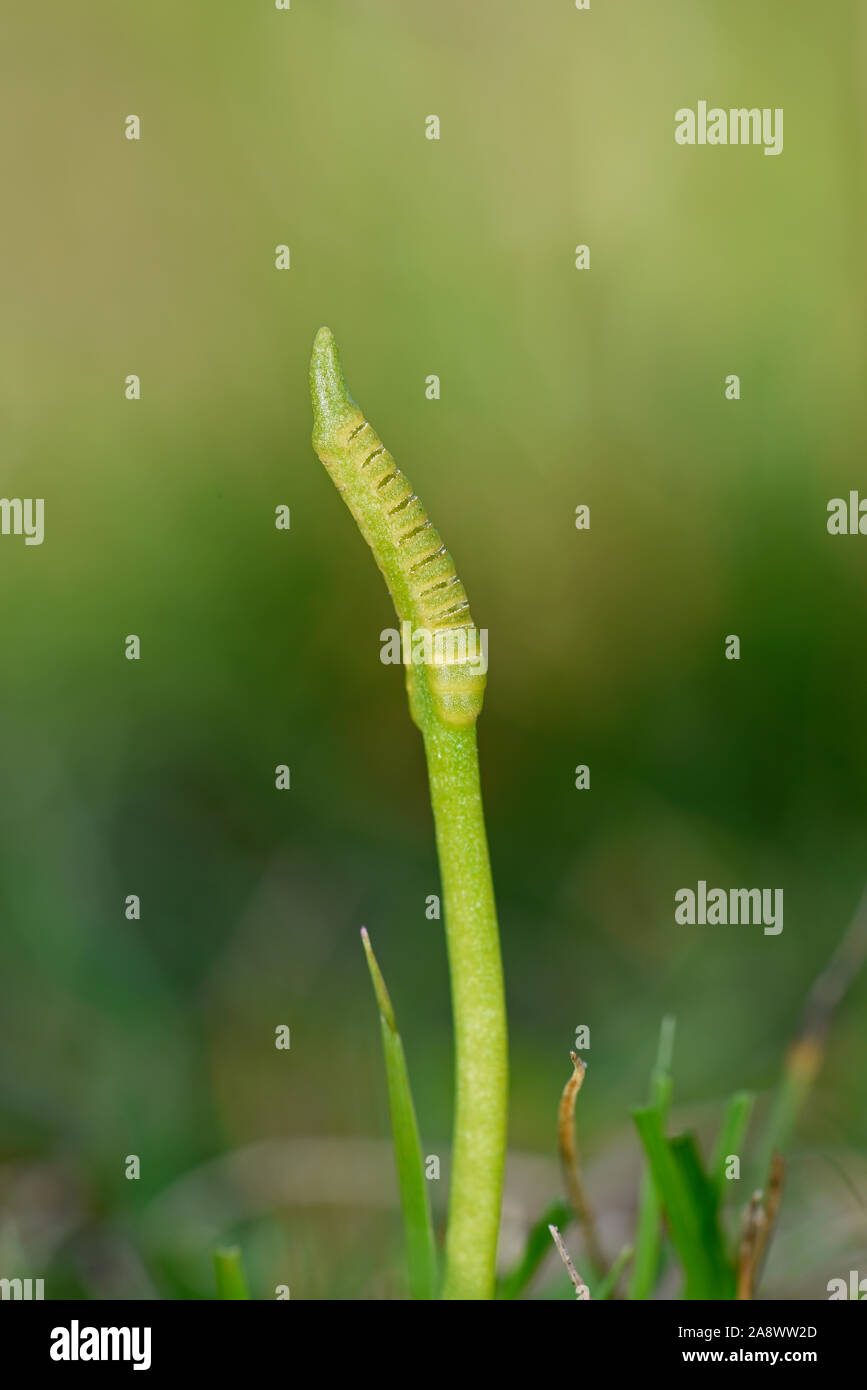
x,y
445,688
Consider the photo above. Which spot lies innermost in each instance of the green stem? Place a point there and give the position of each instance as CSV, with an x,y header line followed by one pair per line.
x,y
445,688
481,1057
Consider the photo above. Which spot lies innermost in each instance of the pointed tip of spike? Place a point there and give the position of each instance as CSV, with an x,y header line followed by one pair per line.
x,y
325,353
332,404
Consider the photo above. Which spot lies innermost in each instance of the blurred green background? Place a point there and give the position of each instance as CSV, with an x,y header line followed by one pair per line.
x,y
261,647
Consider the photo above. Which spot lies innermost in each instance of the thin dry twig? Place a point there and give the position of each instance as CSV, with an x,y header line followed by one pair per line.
x,y
754,1221
571,1166
806,1052
772,1207
807,1049
581,1289
759,1221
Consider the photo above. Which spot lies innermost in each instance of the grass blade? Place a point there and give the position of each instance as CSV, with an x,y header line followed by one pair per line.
x,y
229,1270
418,1227
731,1137
648,1235
605,1288
687,1197
705,1205
558,1214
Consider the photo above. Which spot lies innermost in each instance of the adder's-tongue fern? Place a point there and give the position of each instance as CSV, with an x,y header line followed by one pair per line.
x,y
419,571
445,692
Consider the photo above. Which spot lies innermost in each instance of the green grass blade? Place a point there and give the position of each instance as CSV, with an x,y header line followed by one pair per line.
x,y
538,1247
605,1287
648,1240
418,1227
648,1234
706,1207
687,1197
229,1270
731,1137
